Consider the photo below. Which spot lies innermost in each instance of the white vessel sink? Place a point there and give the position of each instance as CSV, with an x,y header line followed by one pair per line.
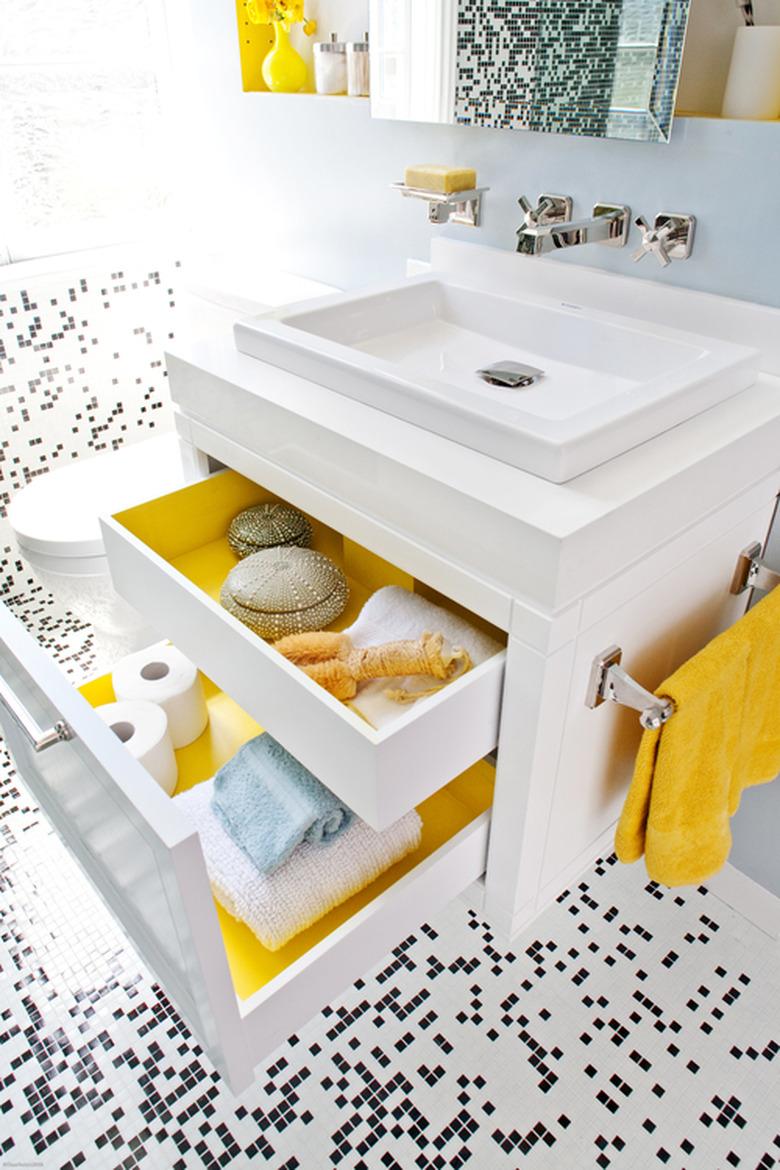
x,y
413,349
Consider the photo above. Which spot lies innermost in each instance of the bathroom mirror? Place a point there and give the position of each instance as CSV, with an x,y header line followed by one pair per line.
x,y
603,68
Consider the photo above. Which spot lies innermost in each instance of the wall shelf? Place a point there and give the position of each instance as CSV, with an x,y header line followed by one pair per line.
x,y
347,17
720,118
342,98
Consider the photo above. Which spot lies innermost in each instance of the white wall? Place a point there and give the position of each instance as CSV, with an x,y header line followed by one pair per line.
x,y
304,180
347,18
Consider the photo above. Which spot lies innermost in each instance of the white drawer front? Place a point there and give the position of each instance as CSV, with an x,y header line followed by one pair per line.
x,y
141,855
381,774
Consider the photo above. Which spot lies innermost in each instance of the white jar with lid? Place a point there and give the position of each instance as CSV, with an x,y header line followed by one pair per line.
x,y
330,66
358,72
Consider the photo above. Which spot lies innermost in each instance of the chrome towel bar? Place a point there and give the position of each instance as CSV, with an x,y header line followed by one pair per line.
x,y
750,571
609,683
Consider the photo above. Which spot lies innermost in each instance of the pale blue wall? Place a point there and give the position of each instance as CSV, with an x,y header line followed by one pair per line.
x,y
756,829
305,180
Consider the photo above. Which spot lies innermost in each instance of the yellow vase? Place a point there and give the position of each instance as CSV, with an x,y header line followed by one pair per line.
x,y
284,69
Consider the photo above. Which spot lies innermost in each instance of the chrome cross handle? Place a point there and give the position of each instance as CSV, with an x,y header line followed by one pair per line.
x,y
654,242
533,215
670,237
549,209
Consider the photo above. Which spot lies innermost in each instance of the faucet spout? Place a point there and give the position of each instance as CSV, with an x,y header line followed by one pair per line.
x,y
608,225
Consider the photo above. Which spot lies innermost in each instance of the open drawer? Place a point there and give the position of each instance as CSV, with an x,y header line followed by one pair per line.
x,y
144,856
169,558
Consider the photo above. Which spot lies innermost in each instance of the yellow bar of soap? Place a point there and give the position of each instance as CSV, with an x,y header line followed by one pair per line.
x,y
445,180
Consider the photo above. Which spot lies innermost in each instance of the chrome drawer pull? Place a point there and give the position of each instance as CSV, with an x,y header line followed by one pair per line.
x,y
39,739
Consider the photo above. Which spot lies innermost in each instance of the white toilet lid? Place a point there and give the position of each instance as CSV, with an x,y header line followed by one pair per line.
x,y
57,514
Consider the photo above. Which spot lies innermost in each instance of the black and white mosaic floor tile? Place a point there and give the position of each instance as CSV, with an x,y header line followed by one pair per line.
x,y
66,637
629,1027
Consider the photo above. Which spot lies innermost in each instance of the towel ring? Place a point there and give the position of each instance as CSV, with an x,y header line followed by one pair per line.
x,y
610,683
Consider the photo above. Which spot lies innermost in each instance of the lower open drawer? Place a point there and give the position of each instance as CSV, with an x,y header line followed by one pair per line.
x,y
169,558
144,857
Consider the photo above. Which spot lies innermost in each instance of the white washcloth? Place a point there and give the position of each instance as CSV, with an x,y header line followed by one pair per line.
x,y
394,614
316,878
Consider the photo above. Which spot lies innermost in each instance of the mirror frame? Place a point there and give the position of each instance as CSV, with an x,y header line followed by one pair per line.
x,y
654,124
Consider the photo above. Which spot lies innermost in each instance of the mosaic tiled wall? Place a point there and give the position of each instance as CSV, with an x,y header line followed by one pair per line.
x,y
593,67
81,370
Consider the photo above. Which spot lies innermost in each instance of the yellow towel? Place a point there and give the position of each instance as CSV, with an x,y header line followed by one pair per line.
x,y
723,738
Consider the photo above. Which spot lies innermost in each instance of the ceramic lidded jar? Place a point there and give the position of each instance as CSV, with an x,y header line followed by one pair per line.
x,y
358,68
330,66
286,590
268,526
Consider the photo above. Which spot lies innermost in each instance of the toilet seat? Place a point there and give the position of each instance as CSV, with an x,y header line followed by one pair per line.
x,y
55,517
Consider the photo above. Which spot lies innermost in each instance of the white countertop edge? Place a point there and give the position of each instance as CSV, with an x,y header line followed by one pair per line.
x,y
558,509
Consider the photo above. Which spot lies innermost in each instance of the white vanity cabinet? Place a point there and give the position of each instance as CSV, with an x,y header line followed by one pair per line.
x,y
638,552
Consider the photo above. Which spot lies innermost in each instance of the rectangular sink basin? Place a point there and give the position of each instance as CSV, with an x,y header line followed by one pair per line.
x,y
413,349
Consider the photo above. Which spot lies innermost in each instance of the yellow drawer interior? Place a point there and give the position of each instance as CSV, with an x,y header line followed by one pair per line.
x,y
443,815
188,529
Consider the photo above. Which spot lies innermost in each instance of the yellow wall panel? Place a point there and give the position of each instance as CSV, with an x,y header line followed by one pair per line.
x,y
254,41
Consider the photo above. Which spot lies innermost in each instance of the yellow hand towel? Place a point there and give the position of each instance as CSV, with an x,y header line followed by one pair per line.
x,y
723,738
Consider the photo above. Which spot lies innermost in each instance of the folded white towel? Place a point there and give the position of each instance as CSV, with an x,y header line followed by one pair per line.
x,y
393,614
316,878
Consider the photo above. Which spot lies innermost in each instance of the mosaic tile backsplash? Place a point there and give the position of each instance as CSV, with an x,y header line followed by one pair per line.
x,y
81,370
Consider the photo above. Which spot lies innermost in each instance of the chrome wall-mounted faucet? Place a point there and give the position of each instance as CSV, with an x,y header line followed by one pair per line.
x,y
549,225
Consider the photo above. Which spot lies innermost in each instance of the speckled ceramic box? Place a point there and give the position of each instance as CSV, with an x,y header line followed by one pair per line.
x,y
283,591
268,526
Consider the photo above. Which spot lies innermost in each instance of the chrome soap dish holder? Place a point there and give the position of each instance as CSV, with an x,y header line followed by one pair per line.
x,y
461,207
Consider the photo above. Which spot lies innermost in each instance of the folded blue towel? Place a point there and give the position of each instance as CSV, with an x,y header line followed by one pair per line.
x,y
269,803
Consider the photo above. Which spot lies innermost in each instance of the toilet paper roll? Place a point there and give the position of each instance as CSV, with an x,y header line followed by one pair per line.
x,y
143,729
161,674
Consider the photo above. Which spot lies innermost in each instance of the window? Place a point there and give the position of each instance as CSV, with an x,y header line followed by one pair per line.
x,y
82,159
